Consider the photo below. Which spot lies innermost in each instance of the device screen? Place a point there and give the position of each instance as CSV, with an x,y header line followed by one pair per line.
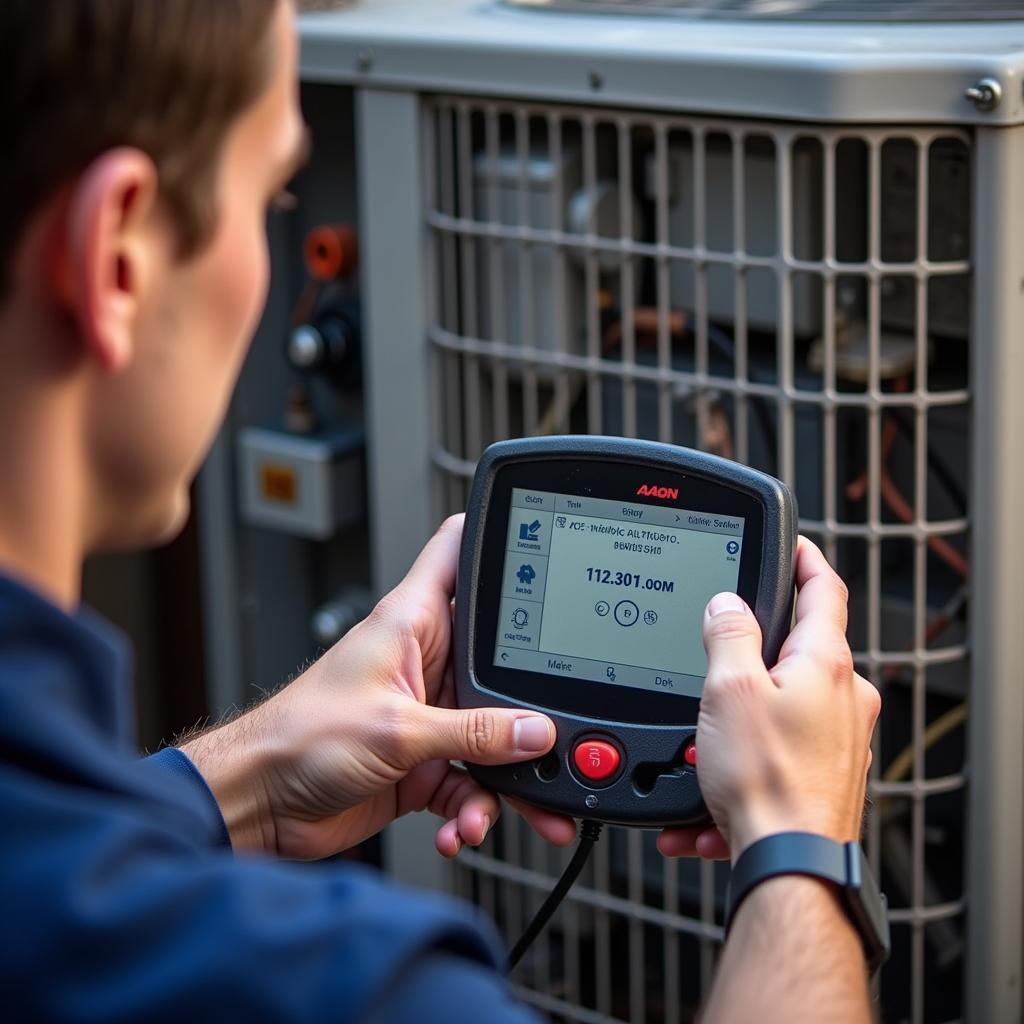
x,y
612,591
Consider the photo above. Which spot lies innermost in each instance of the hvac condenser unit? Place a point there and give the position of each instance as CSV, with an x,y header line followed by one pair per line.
x,y
788,231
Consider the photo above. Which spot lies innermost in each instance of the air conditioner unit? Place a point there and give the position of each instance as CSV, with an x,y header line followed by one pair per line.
x,y
790,231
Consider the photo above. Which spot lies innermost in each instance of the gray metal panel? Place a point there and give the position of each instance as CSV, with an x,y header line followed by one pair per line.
x,y
398,365
221,588
996,723
863,11
398,375
839,73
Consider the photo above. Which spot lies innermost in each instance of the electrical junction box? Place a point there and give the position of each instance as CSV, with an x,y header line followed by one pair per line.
x,y
310,485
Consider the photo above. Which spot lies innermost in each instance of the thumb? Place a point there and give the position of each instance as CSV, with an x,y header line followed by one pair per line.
x,y
480,735
732,639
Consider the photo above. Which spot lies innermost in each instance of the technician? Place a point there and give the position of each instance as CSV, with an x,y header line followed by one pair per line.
x,y
143,143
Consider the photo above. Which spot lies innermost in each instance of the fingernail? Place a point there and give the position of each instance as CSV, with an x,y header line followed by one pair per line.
x,y
531,735
726,603
487,826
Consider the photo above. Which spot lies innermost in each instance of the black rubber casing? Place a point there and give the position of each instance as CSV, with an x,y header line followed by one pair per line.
x,y
654,787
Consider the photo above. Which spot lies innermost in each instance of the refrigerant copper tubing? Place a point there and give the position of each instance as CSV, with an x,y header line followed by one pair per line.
x,y
899,506
645,322
306,302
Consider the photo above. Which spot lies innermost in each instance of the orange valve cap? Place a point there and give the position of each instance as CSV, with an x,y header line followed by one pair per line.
x,y
331,251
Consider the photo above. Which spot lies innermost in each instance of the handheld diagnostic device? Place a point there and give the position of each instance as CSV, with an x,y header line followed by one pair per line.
x,y
585,568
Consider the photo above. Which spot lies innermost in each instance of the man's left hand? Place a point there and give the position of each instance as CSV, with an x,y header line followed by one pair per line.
x,y
368,732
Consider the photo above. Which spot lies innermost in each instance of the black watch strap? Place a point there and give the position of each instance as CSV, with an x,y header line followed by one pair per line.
x,y
804,853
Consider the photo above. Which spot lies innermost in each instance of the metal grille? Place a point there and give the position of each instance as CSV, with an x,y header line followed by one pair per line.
x,y
795,297
797,10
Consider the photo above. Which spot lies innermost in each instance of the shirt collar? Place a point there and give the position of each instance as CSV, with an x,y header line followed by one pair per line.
x,y
94,658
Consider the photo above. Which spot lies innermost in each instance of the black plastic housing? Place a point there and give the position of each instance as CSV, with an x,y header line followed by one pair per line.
x,y
650,729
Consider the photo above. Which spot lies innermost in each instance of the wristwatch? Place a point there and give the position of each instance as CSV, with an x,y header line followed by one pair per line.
x,y
804,853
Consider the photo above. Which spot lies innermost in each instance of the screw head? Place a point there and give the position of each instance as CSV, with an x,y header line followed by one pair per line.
x,y
596,81
364,60
591,801
985,94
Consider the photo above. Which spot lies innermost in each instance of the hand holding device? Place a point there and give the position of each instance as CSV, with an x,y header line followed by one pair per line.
x,y
787,752
787,748
366,733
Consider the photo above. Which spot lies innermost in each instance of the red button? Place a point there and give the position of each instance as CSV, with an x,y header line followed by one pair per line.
x,y
596,759
690,754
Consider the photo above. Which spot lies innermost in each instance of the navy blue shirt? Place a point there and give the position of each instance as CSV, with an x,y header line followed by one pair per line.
x,y
122,899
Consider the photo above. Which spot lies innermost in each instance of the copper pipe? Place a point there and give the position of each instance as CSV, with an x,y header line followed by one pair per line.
x,y
646,320
894,499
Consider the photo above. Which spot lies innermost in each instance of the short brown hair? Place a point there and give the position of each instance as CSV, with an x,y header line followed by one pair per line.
x,y
78,77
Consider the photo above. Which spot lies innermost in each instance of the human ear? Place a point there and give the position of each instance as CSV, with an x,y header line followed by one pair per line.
x,y
107,256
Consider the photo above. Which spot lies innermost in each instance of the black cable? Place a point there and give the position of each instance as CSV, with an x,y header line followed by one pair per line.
x,y
589,834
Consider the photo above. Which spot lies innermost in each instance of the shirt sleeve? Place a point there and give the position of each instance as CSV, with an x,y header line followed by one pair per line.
x,y
130,914
179,767
441,988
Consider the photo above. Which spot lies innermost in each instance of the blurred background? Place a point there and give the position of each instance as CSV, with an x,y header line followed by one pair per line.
x,y
785,231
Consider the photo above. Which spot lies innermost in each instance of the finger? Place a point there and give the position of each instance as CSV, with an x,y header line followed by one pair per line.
x,y
821,603
469,810
679,842
693,841
477,735
447,840
457,794
732,639
433,572
555,828
478,813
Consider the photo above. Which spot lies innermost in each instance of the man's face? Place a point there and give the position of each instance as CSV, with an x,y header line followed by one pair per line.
x,y
152,424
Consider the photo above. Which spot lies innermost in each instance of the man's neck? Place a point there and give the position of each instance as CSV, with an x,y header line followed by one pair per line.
x,y
42,492
44,570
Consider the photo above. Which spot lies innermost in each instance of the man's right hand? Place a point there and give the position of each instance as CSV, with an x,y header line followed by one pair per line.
x,y
786,749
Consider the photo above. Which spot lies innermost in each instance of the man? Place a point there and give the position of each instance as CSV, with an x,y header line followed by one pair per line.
x,y
144,141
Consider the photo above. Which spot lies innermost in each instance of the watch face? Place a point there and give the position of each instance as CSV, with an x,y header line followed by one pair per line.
x,y
593,583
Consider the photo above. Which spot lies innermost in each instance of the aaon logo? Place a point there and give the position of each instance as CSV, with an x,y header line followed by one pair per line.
x,y
651,491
